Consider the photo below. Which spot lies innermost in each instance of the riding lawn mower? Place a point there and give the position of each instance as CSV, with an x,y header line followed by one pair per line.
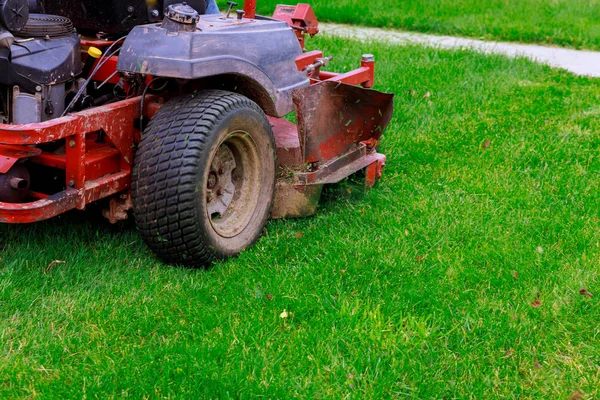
x,y
156,109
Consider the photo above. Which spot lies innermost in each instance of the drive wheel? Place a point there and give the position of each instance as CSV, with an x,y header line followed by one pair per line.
x,y
204,178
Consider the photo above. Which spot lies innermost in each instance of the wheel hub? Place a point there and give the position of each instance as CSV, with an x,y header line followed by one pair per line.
x,y
220,182
233,184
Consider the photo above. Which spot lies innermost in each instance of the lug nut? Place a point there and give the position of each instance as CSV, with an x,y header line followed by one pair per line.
x,y
212,180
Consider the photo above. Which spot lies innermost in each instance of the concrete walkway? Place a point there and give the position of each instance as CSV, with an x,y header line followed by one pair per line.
x,y
585,63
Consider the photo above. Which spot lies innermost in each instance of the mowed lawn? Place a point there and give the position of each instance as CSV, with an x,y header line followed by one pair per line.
x,y
459,276
572,23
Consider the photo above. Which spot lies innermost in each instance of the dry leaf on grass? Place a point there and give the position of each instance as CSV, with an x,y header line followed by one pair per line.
x,y
54,263
585,293
577,395
537,364
537,302
486,144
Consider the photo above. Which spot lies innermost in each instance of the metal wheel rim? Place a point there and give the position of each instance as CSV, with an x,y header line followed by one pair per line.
x,y
233,184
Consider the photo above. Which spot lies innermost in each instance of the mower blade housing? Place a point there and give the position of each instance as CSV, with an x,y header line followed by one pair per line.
x,y
334,118
339,129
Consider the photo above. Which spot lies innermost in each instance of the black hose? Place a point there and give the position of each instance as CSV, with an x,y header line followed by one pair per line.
x,y
159,90
104,99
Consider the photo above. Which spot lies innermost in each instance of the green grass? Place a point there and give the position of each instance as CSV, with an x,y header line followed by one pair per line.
x,y
572,23
422,287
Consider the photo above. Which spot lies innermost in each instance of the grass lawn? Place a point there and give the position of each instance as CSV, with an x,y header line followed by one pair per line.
x,y
458,276
572,23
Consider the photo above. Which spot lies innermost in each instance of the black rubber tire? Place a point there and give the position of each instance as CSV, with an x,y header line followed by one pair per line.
x,y
171,170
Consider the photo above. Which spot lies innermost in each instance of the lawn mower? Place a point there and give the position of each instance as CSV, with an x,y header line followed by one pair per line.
x,y
178,117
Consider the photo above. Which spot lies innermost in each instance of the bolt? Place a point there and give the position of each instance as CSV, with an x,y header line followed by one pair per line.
x,y
71,143
38,88
71,183
155,13
130,9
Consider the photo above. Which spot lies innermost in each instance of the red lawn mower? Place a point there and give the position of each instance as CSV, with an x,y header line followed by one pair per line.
x,y
177,116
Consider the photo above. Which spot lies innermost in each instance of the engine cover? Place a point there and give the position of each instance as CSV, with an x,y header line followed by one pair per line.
x,y
37,71
48,62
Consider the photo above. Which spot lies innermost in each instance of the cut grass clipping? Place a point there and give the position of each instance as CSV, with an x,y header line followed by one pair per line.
x,y
459,276
571,23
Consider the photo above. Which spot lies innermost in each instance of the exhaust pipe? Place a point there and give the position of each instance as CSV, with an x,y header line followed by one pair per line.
x,y
14,185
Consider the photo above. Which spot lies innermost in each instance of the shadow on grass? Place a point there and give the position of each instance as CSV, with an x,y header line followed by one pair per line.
x,y
86,237
86,225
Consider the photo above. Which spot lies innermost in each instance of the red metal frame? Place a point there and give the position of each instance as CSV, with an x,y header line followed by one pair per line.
x,y
93,170
96,169
301,18
250,9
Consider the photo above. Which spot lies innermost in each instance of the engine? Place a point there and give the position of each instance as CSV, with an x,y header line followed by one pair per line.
x,y
40,53
37,70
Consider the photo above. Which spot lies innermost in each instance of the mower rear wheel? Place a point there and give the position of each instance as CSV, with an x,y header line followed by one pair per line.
x,y
204,178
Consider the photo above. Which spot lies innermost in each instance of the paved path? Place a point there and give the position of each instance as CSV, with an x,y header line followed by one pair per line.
x,y
578,62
